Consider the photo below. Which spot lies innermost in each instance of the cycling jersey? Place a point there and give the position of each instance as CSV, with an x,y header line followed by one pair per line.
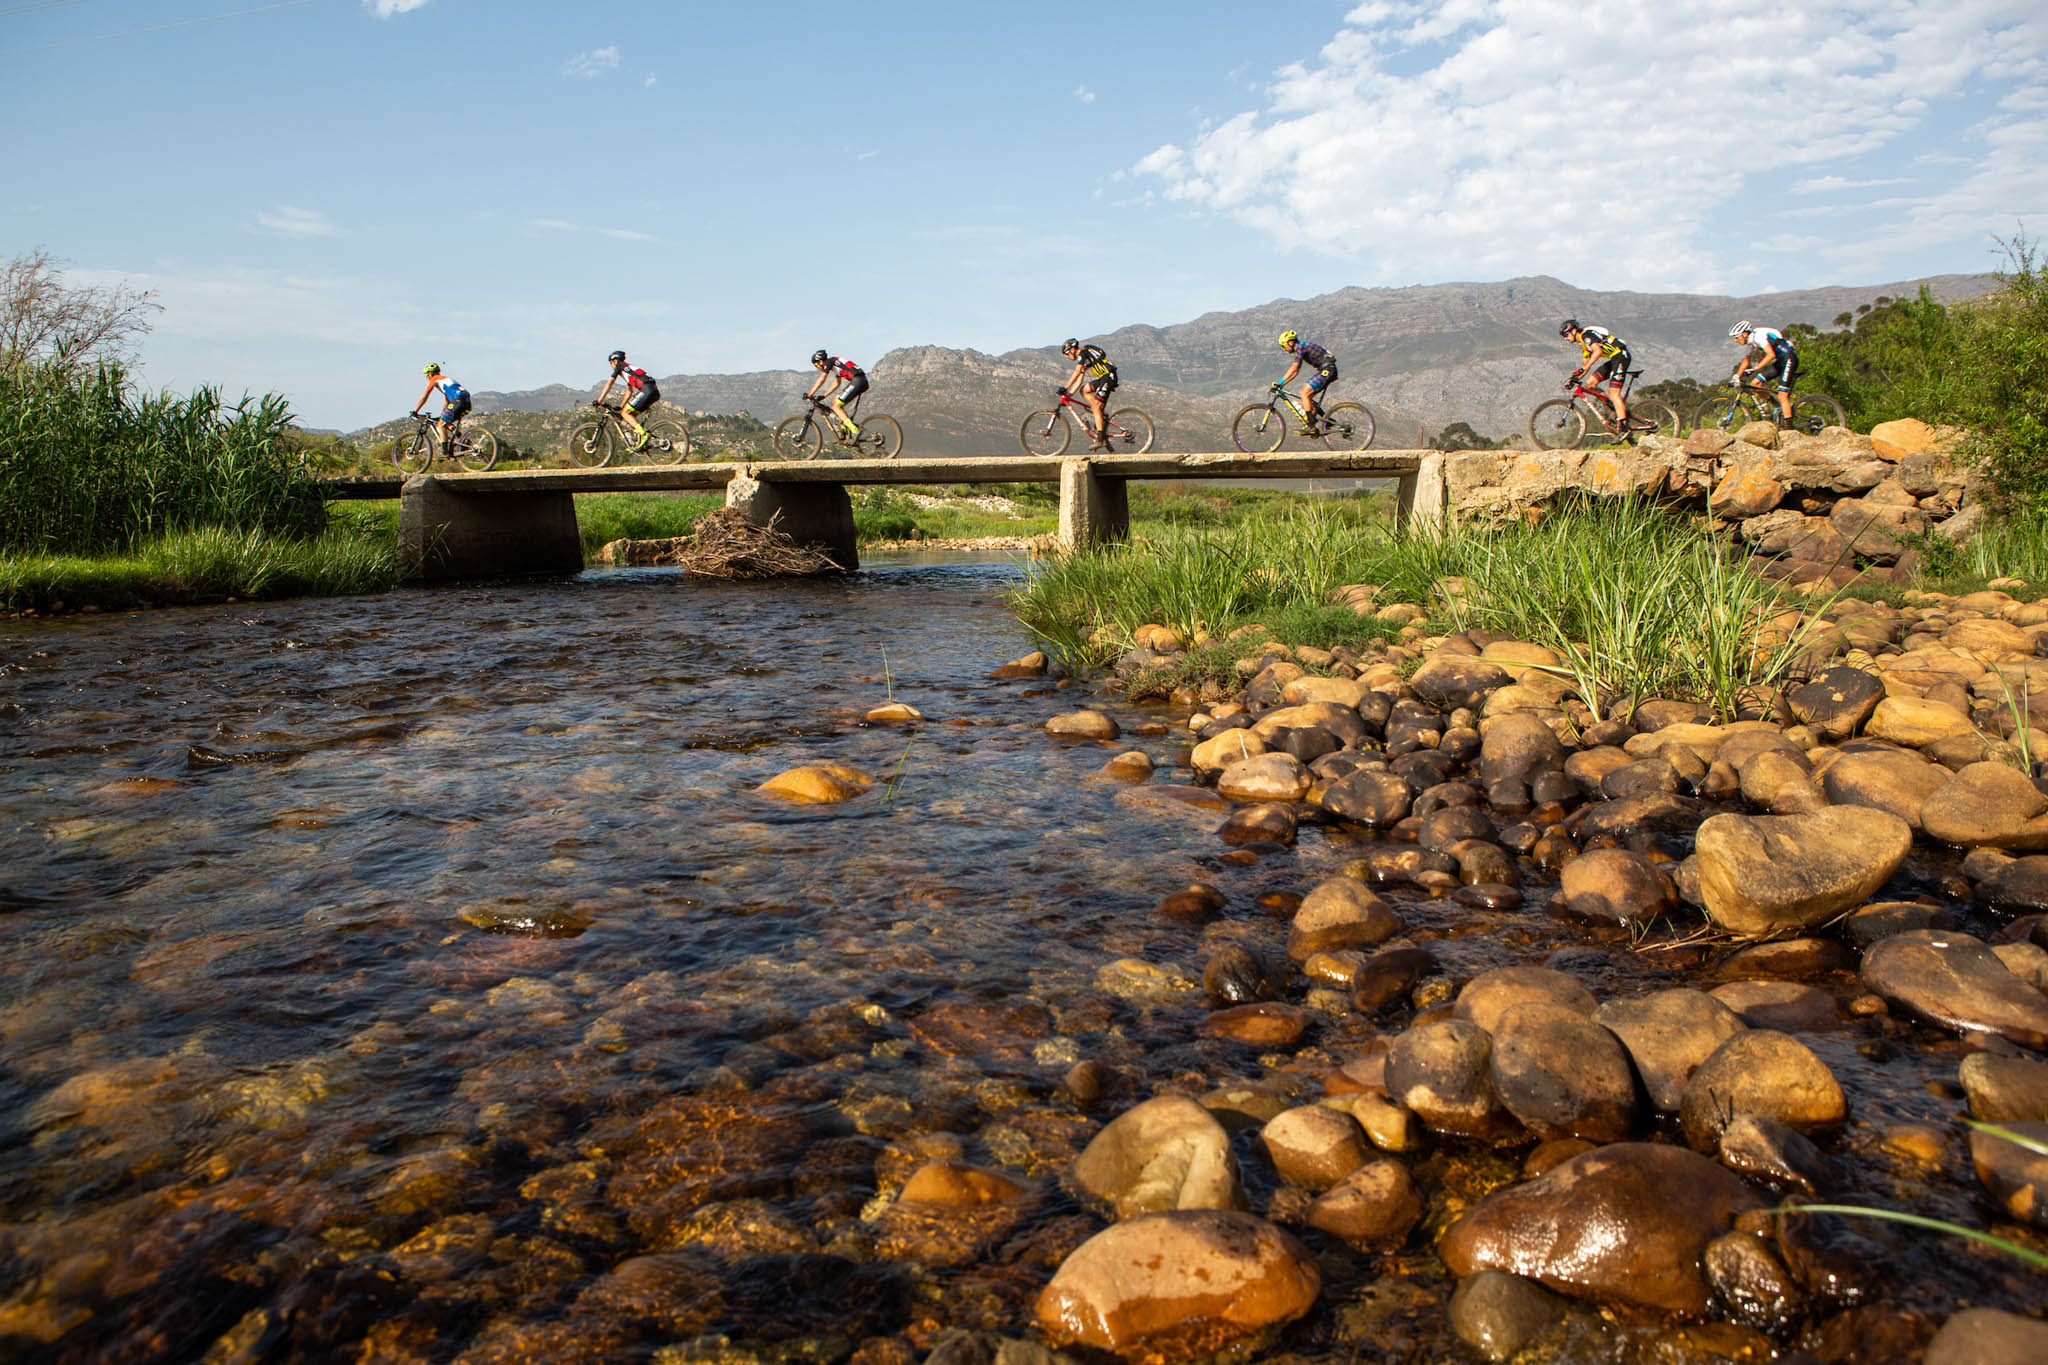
x,y
1600,341
451,392
1094,362
1770,341
1313,356
844,370
636,378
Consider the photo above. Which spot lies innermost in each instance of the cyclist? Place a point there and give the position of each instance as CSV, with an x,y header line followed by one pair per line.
x,y
1772,356
643,393
832,374
1602,356
1095,378
1315,358
454,401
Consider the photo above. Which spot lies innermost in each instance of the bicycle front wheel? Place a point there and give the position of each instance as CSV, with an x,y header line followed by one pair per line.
x,y
1817,410
590,446
1718,414
1045,432
476,451
1349,426
799,438
668,441
879,435
1557,425
1661,415
413,452
1130,432
1258,430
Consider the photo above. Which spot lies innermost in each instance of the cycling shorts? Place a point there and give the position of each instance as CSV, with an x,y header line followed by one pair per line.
x,y
644,397
455,409
855,389
1613,368
1783,367
1322,379
1101,388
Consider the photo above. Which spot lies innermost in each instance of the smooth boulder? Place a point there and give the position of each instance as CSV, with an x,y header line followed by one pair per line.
x,y
1764,874
1167,1153
1954,980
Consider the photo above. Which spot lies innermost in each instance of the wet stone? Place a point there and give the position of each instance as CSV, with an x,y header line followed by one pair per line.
x,y
1561,1074
1374,1206
1265,824
2019,887
1339,913
1233,976
1786,1005
1488,997
2001,1089
1751,1283
1268,1024
1167,1153
1442,1073
1759,1071
1195,904
1448,825
1641,777
1484,863
1988,1336
1516,747
2014,1175
1488,896
1786,959
1771,1152
1552,788
1315,1146
1615,886
1761,875
1369,797
1082,725
1386,978
1952,979
1866,925
1837,703
1497,1314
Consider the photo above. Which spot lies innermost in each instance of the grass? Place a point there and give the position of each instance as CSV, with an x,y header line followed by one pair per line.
x,y
605,517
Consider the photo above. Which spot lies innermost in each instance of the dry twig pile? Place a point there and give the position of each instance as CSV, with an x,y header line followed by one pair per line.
x,y
724,544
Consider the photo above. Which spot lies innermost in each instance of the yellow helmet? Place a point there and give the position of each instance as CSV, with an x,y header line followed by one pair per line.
x,y
433,367
1288,338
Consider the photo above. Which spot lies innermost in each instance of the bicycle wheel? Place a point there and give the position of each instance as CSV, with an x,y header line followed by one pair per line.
x,y
799,438
667,441
1045,432
590,445
1718,414
1557,425
476,451
1661,416
1259,429
1136,435
1817,410
413,452
1349,426
879,435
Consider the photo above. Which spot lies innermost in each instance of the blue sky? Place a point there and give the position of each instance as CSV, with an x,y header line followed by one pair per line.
x,y
326,194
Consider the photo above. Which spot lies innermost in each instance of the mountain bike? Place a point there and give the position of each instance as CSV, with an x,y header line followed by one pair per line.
x,y
806,435
1561,423
414,451
1753,402
1047,431
1260,428
593,444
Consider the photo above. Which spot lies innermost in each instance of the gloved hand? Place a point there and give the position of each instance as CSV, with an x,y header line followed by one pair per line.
x,y
1062,392
1276,386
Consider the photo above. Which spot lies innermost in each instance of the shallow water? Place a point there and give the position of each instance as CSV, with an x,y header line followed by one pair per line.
x,y
391,973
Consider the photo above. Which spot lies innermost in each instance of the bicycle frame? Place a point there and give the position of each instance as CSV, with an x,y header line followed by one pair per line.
x,y
1110,426
1596,403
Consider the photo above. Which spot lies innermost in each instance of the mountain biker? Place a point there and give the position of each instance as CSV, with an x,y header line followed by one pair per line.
x,y
1317,359
644,394
832,373
454,401
1602,356
1095,378
1772,356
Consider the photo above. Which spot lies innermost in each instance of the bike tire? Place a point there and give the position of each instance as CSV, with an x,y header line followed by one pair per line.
x,y
668,441
1557,425
1718,414
1137,435
1258,429
413,452
1045,432
1816,410
590,445
476,451
880,435
799,438
1653,410
1349,426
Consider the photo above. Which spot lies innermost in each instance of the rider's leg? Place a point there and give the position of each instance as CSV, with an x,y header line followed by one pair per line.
x,y
1616,397
1099,433
1309,412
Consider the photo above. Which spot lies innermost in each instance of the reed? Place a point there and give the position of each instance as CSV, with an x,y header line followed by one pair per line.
x,y
205,565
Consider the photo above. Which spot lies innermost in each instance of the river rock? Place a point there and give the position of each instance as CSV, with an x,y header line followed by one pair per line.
x,y
1780,781
1916,722
1588,768
1449,681
1315,1146
818,783
1882,919
1561,1074
1374,1206
1083,725
1884,779
1442,1073
1497,1314
1388,976
1668,1036
1339,913
1264,824
1751,1282
2001,1089
1622,1224
1370,796
1517,747
1952,979
2016,1176
1488,997
1785,1005
1988,1336
1267,1024
1616,886
1219,751
1167,1153
1764,1149
1267,777
1031,665
2018,887
1761,875
1988,804
1759,1071
1178,1286
1837,703
1132,765
1639,777
1195,903
1448,825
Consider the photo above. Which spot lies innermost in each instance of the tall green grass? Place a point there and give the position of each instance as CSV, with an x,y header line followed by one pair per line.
x,y
89,466
606,517
354,555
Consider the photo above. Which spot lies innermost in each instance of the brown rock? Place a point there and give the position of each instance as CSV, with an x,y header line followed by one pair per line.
x,y
1270,824
1373,1207
2016,1176
1760,1071
1838,702
1224,748
1563,1075
1315,1146
1268,777
2001,1089
1669,1035
1884,779
1442,1074
1785,1005
1082,725
1266,1024
1915,722
818,783
1987,1336
1488,997
1746,491
1988,804
1339,913
1616,886
1760,875
1952,979
1168,1153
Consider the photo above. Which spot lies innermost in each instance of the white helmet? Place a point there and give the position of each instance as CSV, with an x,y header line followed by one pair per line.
x,y
1742,328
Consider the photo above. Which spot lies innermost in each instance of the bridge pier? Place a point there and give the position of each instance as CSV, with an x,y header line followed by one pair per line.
x,y
812,513
1094,507
1420,501
446,534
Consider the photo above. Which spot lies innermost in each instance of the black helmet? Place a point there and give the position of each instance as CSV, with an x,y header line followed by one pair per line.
x,y
819,357
1070,344
1568,326
616,357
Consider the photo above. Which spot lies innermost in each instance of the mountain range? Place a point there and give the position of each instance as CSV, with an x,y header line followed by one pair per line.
x,y
1420,357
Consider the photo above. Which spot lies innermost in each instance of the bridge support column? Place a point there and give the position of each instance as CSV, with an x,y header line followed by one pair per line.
x,y
445,535
1421,499
812,513
1093,507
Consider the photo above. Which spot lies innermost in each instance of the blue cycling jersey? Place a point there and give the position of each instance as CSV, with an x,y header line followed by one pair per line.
x,y
1312,355
450,390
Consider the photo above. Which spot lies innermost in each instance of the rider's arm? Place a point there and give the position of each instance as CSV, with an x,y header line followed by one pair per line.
x,y
425,394
1292,370
1074,379
606,392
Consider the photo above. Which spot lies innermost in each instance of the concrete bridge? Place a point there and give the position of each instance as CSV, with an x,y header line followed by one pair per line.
x,y
460,526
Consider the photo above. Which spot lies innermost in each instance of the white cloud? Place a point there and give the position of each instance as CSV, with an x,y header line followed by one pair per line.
x,y
1084,94
1415,141
595,63
616,234
649,80
384,9
1829,184
289,221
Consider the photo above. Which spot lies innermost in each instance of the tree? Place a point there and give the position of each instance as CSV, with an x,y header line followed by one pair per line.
x,y
1461,436
42,318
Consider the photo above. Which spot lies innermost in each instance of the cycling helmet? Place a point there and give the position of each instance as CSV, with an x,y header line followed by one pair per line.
x,y
1742,328
616,357
1070,344
1288,338
1568,326
819,357
433,367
